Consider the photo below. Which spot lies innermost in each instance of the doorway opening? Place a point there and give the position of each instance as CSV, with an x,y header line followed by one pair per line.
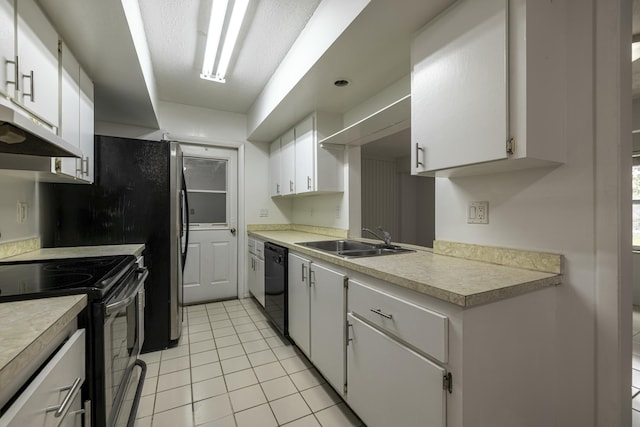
x,y
392,198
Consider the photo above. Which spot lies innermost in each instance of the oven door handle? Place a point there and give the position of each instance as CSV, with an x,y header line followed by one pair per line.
x,y
114,307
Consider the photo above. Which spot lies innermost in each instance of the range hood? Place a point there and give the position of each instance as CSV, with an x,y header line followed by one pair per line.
x,y
21,135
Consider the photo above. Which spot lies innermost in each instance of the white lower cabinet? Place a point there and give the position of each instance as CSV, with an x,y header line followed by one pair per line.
x,y
42,403
317,309
256,278
298,302
328,324
255,271
389,384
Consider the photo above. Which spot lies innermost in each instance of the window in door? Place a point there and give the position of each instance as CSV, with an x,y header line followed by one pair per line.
x,y
207,188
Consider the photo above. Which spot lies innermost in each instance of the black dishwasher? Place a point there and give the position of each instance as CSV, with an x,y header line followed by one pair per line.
x,y
275,286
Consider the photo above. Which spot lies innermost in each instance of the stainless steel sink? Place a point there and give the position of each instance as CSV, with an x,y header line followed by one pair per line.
x,y
354,249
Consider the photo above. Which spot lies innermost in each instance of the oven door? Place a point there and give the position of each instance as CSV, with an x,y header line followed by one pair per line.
x,y
123,326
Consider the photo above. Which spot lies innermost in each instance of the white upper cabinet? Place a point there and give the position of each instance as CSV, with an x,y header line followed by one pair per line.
x,y
472,68
76,117
69,107
275,186
37,43
7,48
305,156
304,166
318,169
86,127
288,163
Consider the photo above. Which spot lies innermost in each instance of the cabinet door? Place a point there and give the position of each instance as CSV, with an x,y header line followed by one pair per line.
x,y
298,304
50,388
459,97
70,109
287,163
37,43
328,324
251,274
259,278
275,173
380,371
305,156
86,127
7,47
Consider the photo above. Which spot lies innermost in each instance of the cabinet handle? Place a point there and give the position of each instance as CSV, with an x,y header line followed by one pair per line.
x,y
378,311
308,183
418,162
16,80
31,94
277,188
87,413
63,408
85,162
303,276
349,339
79,170
290,185
312,277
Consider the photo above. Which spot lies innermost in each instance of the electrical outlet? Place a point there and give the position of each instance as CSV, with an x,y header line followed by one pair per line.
x,y
478,213
338,214
264,213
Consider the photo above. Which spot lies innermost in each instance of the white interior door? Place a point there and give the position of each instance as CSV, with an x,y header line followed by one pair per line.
x,y
211,269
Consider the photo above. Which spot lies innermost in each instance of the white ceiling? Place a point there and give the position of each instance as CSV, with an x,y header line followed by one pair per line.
x,y
373,52
176,32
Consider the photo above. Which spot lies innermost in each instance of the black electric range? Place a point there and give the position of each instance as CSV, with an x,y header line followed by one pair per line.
x,y
113,320
94,276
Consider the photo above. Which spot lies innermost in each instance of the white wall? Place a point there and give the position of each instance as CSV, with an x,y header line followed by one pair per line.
x,y
324,210
559,210
14,190
257,196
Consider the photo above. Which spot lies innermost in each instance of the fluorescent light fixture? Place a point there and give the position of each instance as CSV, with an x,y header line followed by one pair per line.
x,y
216,23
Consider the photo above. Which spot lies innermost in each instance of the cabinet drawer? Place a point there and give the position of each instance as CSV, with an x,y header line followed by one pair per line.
x,y
259,249
423,329
49,389
251,246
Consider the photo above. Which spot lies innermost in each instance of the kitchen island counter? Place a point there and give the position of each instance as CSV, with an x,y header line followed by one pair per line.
x,y
450,277
28,328
78,252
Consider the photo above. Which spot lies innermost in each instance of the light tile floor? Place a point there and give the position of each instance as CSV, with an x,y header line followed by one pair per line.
x,y
635,372
231,368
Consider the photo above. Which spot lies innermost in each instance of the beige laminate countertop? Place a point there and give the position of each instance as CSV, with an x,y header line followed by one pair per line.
x,y
27,327
462,282
78,251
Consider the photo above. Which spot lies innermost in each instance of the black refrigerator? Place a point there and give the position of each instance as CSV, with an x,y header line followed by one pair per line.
x,y
139,196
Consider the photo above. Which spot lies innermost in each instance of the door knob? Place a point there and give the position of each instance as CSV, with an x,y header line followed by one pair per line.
x,y
233,231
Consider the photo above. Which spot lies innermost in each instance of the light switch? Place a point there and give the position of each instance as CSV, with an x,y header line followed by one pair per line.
x,y
478,213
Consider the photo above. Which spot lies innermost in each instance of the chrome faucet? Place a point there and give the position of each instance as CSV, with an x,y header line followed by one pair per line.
x,y
386,237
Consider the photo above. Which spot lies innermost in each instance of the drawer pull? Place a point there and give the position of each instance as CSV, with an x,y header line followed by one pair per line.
x,y
61,410
385,315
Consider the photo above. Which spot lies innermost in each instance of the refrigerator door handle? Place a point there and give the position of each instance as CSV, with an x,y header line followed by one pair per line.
x,y
185,216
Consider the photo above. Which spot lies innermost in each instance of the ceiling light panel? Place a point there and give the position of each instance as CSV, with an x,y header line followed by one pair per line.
x,y
219,11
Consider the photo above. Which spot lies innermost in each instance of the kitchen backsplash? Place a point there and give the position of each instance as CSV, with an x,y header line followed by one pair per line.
x,y
18,247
